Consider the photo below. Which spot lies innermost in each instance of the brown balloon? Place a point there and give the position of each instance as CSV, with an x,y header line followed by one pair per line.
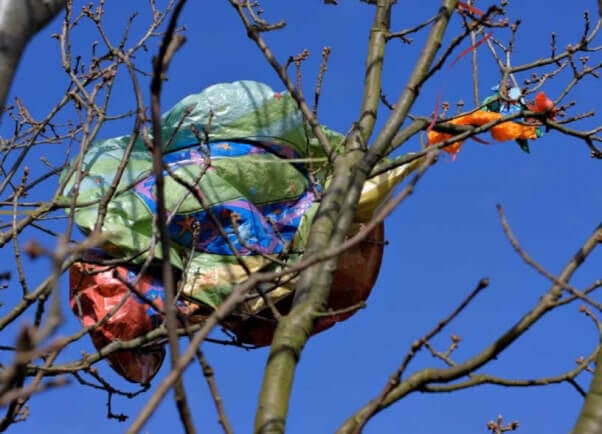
x,y
353,280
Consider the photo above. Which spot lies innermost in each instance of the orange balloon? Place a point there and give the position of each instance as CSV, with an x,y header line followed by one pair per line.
x,y
501,132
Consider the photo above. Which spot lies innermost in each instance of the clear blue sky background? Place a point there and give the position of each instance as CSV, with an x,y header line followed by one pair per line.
x,y
442,240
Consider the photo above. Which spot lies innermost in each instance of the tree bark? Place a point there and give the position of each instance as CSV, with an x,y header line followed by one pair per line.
x,y
20,20
590,418
335,215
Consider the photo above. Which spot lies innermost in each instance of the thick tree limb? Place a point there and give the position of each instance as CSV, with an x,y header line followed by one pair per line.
x,y
20,20
334,218
590,417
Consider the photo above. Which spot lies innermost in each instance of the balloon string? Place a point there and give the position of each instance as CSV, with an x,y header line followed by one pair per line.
x,y
467,7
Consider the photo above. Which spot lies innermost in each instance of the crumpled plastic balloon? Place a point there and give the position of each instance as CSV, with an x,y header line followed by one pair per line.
x,y
256,185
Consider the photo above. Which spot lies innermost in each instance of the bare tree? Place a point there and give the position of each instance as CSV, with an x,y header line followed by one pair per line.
x,y
74,123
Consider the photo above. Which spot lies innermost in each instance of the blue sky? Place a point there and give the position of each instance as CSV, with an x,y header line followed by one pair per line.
x,y
442,240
